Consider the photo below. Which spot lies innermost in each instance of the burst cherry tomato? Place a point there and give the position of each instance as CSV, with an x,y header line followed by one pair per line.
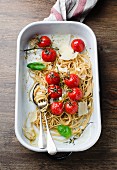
x,y
71,107
49,55
54,91
44,41
75,93
78,45
53,78
72,80
56,108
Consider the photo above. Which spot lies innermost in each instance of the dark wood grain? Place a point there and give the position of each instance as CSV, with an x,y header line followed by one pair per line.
x,y
14,15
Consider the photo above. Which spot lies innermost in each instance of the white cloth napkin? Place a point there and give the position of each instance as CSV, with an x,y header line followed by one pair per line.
x,y
65,9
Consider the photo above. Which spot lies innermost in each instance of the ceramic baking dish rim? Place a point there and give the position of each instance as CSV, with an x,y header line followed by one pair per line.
x,y
17,79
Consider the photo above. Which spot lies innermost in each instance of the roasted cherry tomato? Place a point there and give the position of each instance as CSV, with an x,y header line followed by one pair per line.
x,y
54,91
78,45
75,93
49,55
44,41
53,78
71,107
56,108
72,80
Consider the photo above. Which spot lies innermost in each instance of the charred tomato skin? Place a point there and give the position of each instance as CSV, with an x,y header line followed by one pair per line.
x,y
75,94
53,78
72,80
78,45
54,91
49,55
44,41
71,107
56,108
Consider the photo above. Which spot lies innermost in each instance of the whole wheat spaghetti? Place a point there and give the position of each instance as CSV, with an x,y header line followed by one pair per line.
x,y
81,66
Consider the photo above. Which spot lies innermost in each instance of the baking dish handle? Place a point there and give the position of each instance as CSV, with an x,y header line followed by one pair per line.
x,y
60,155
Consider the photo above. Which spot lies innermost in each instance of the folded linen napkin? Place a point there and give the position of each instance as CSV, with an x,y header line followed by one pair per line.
x,y
65,9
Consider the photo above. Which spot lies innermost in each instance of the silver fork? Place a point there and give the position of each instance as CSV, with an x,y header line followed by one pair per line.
x,y
51,148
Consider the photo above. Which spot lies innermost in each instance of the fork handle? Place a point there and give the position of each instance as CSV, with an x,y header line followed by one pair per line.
x,y
51,147
41,140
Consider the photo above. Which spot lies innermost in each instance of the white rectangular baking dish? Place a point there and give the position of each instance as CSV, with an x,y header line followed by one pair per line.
x,y
22,106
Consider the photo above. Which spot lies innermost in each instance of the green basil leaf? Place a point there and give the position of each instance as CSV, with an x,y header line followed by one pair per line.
x,y
64,131
36,66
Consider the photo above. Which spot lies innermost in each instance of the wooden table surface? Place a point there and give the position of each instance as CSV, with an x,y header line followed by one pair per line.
x,y
14,15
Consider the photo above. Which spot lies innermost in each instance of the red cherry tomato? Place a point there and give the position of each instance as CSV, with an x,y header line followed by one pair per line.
x,y
56,108
54,91
49,55
71,107
44,41
78,45
72,80
75,94
53,78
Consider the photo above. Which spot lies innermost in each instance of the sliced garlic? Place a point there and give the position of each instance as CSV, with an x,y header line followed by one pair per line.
x,y
62,69
83,76
51,101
